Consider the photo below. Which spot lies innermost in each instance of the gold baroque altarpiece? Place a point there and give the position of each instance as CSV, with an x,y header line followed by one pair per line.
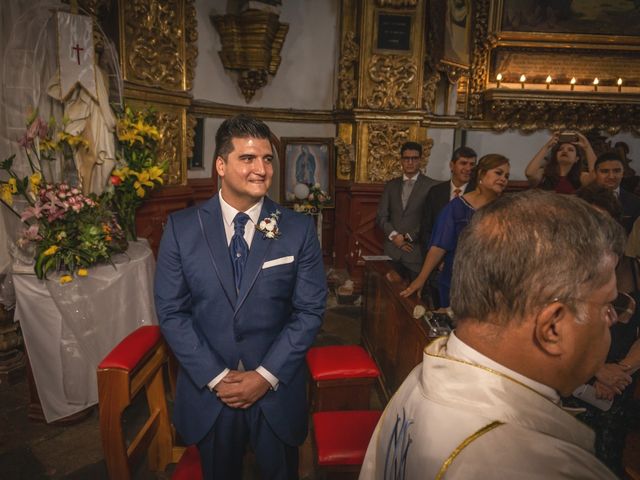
x,y
158,51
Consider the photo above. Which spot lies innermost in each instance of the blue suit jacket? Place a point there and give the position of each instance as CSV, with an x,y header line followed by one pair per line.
x,y
272,321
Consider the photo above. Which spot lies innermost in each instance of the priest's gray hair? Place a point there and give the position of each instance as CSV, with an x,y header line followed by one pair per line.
x,y
527,250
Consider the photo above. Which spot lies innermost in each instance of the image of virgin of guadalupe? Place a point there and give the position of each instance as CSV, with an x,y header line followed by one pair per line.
x,y
306,167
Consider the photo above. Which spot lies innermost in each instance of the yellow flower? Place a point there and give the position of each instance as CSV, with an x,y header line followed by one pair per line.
x,y
72,140
5,194
129,136
35,181
65,279
83,272
146,129
143,181
155,174
121,173
13,185
51,250
47,145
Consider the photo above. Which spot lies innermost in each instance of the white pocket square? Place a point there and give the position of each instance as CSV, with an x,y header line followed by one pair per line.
x,y
277,261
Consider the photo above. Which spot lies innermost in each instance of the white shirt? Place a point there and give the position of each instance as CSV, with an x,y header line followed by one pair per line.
x,y
452,189
228,214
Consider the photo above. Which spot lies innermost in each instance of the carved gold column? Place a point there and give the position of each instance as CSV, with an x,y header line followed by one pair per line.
x,y
158,50
380,78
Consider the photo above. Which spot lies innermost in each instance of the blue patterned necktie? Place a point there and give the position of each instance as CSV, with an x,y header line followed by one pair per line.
x,y
238,248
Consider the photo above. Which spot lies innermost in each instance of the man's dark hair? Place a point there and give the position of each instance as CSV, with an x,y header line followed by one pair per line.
x,y
610,156
240,126
465,152
411,146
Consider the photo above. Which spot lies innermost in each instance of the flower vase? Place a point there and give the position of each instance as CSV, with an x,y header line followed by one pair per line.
x,y
128,223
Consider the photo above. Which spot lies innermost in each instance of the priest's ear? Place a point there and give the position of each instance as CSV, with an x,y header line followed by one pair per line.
x,y
552,326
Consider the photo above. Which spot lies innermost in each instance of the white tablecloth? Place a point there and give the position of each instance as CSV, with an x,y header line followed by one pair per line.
x,y
68,329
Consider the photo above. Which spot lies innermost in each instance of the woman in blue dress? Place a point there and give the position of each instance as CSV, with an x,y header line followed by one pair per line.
x,y
491,176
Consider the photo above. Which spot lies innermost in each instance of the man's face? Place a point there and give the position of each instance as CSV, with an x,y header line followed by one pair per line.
x,y
246,175
609,174
589,339
410,160
461,170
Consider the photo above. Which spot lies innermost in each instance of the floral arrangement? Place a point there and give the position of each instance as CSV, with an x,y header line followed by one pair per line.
x,y
316,200
68,230
269,225
137,171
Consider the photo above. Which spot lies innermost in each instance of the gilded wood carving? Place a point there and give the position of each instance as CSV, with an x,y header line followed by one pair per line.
x,y
391,76
347,72
384,145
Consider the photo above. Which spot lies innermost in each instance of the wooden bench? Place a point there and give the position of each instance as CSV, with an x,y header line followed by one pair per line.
x,y
138,364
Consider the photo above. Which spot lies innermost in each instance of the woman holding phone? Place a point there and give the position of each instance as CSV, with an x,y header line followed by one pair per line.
x,y
566,155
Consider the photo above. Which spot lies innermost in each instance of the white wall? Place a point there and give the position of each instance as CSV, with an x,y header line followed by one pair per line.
x,y
305,78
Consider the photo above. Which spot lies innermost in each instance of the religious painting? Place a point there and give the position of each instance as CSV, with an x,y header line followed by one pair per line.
x,y
450,22
305,162
590,17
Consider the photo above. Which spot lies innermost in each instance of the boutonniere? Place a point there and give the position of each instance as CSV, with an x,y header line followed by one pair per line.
x,y
269,226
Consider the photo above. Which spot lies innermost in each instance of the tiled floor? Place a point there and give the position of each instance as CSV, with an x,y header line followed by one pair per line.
x,y
33,451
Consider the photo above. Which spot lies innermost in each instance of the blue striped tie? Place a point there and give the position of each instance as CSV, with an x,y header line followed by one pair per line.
x,y
238,248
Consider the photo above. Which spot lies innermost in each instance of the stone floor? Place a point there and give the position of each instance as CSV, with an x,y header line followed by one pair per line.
x,y
32,451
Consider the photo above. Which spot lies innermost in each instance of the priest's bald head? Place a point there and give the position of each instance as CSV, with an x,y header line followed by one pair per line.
x,y
533,282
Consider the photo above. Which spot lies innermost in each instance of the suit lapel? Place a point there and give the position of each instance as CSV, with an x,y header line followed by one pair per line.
x,y
212,226
416,186
260,246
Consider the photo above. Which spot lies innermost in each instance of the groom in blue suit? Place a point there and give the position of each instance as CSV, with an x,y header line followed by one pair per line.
x,y
240,291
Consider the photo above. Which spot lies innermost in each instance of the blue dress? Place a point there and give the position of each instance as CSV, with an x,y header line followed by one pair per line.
x,y
451,221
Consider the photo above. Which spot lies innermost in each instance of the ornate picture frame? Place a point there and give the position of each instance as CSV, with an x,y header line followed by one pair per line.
x,y
306,160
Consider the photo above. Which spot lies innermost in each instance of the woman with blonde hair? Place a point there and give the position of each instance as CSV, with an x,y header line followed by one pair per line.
x,y
490,176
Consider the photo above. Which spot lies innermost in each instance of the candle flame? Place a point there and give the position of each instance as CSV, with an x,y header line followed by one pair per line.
x,y
596,81
523,78
548,80
619,81
499,77
573,81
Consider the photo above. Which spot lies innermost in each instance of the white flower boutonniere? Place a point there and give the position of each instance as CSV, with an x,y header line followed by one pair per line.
x,y
269,226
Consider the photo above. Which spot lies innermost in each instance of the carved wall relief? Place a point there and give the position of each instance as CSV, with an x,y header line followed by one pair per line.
x,y
346,157
384,145
154,42
347,72
391,76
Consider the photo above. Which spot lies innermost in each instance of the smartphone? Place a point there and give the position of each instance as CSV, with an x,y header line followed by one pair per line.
x,y
568,137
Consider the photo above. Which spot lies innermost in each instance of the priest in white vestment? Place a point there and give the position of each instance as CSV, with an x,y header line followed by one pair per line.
x,y
532,296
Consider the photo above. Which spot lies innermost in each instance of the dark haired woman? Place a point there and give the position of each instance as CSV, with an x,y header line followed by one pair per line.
x,y
564,170
490,176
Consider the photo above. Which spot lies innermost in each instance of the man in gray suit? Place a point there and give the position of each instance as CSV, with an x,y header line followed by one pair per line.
x,y
401,210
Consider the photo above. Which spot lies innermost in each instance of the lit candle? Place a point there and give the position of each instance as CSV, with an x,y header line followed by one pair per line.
x,y
619,84
498,79
522,80
573,83
548,81
595,84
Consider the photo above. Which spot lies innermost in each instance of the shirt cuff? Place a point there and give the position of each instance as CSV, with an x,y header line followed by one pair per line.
x,y
212,384
408,237
268,377
392,234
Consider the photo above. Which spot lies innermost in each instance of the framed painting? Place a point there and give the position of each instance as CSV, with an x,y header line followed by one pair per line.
x,y
307,161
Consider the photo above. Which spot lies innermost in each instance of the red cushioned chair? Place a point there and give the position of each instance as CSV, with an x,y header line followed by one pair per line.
x,y
136,363
341,440
342,377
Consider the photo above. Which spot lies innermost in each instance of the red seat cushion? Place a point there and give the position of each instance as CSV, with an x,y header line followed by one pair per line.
x,y
188,467
342,437
128,353
340,361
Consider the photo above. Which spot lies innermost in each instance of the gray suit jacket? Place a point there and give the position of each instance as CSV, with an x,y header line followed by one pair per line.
x,y
391,216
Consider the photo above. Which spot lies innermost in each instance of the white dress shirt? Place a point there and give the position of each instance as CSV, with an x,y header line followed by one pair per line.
x,y
452,189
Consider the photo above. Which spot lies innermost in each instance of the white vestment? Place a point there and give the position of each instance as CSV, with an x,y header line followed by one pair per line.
x,y
461,415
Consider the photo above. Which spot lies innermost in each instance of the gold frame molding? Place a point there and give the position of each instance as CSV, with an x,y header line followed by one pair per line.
x,y
536,107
